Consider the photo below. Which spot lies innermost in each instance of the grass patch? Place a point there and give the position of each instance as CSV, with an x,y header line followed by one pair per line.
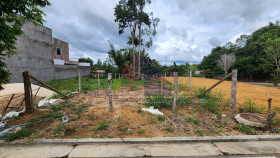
x,y
159,101
141,131
192,119
245,129
161,117
102,126
169,129
251,107
183,100
24,132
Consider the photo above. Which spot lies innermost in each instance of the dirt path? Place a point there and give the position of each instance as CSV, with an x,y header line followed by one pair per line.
x,y
255,92
19,88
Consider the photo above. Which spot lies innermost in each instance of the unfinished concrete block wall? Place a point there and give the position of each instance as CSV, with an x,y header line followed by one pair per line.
x,y
36,56
64,48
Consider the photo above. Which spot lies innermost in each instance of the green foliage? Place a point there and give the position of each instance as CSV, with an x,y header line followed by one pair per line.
x,y
141,130
159,101
86,60
24,132
161,117
245,129
192,119
183,100
251,107
10,26
102,126
169,129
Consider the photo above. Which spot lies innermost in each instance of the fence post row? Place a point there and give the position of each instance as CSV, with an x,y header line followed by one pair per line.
x,y
233,91
27,92
110,92
190,80
176,87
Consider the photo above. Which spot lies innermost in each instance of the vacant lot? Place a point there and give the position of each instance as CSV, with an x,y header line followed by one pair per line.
x,y
255,92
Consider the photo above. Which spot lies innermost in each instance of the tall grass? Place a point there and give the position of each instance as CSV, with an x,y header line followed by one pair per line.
x,y
251,107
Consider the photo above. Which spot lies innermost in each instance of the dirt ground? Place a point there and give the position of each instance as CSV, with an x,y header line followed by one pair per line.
x,y
255,92
88,112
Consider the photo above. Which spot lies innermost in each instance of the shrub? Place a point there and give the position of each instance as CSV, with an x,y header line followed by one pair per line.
x,y
251,107
183,100
24,132
141,131
159,101
210,105
102,126
161,117
191,119
169,129
246,129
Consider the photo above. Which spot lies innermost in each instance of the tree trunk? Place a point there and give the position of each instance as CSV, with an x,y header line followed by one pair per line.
x,y
133,51
139,54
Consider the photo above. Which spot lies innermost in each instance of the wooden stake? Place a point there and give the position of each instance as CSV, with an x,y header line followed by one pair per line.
x,y
34,78
175,92
190,80
233,91
216,84
79,82
26,80
8,103
110,92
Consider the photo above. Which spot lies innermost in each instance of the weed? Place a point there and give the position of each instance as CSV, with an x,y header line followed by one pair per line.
x,y
24,132
85,87
139,110
226,103
60,128
55,96
70,130
246,129
210,105
159,101
198,131
183,100
251,107
161,117
141,131
169,129
102,126
192,119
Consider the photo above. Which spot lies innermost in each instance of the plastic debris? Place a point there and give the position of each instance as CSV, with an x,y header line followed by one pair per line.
x,y
12,114
202,99
11,130
2,126
152,110
45,101
64,119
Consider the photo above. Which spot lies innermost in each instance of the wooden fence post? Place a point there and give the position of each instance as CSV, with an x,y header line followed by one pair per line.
x,y
98,79
233,91
27,92
110,92
190,80
79,82
176,90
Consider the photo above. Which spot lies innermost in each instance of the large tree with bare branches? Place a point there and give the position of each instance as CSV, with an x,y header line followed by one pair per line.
x,y
226,61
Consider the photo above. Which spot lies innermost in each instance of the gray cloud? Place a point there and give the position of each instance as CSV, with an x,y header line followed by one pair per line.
x,y
188,29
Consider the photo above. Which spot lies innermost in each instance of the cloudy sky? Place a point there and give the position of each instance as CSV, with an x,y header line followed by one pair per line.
x,y
187,31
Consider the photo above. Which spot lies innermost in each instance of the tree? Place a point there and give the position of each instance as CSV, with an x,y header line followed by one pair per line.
x,y
120,59
273,55
226,61
126,14
13,14
86,60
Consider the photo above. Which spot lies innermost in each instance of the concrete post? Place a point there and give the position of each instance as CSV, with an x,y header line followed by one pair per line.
x,y
79,82
233,91
110,92
176,90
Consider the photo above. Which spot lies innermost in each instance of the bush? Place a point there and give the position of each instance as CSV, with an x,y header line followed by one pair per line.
x,y
246,129
102,126
211,105
251,107
24,132
159,101
183,100
191,119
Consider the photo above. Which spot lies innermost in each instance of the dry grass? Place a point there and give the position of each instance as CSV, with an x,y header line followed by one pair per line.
x,y
255,92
